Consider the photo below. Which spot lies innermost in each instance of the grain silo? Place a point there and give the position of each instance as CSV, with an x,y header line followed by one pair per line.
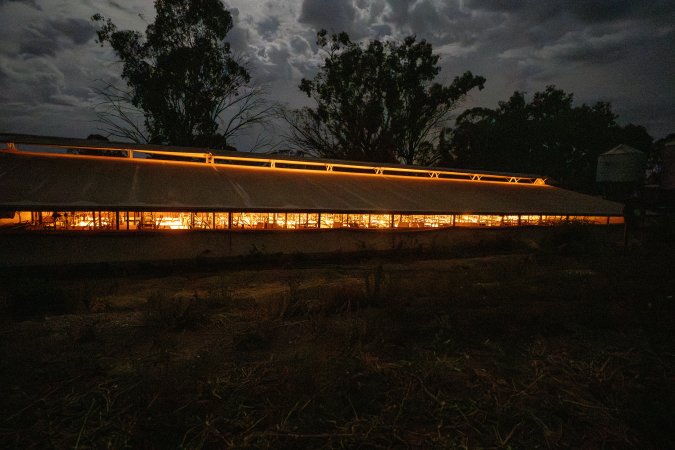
x,y
620,170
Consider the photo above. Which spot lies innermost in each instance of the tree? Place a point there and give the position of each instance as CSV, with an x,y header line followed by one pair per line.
x,y
182,76
547,136
376,102
655,161
97,140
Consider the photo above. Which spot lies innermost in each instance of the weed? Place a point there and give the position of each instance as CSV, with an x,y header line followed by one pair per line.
x,y
344,297
256,336
373,281
223,291
291,304
175,312
491,352
34,299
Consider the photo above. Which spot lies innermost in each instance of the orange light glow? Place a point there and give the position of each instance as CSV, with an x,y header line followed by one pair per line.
x,y
130,220
252,161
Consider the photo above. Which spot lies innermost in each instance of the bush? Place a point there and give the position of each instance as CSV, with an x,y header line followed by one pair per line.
x,y
178,312
344,297
34,299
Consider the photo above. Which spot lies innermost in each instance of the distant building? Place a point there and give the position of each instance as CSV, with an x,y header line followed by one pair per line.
x,y
235,192
621,171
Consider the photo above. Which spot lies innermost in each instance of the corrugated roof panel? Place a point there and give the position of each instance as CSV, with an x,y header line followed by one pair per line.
x,y
69,182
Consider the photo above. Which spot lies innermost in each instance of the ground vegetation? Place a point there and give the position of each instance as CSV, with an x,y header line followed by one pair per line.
x,y
563,344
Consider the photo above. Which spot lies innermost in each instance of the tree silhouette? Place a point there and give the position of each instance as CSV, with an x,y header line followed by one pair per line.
x,y
182,76
547,136
97,140
377,102
655,163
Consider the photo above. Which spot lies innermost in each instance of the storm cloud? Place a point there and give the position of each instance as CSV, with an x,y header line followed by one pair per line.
x,y
611,50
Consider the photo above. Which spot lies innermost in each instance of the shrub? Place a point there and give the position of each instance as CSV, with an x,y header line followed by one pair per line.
x,y
35,298
176,312
344,297
373,282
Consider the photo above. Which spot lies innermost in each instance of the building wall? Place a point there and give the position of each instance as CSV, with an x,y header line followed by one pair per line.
x,y
70,248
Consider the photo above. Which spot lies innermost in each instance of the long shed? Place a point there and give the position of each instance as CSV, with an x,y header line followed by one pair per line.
x,y
74,187
59,201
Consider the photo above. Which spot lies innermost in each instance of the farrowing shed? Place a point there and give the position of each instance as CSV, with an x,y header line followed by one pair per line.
x,y
141,205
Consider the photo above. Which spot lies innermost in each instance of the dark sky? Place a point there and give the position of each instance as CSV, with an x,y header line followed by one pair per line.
x,y
621,51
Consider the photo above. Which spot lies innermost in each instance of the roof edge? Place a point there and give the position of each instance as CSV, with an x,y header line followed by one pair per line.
x,y
77,143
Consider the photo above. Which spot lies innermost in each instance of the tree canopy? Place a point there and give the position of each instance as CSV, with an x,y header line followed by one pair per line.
x,y
377,102
547,135
183,77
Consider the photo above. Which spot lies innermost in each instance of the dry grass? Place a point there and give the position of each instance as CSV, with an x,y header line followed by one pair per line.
x,y
561,348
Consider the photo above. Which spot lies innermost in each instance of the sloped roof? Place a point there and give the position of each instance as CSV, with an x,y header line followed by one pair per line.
x,y
26,141
623,149
81,182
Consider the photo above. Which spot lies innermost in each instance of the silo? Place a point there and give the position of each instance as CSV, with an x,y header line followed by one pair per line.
x,y
620,171
622,164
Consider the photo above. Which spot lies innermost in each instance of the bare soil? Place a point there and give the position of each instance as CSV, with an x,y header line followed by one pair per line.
x,y
569,345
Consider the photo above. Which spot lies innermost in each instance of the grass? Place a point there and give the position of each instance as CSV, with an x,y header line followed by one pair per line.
x,y
567,346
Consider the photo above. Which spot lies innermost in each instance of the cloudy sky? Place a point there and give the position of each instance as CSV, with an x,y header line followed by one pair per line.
x,y
621,51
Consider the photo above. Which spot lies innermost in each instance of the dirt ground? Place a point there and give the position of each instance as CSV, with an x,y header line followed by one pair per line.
x,y
568,344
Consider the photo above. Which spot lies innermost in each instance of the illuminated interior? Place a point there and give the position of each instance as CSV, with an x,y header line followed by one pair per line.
x,y
167,221
186,220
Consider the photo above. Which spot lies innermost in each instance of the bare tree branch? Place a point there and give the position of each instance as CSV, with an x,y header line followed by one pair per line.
x,y
117,115
184,78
